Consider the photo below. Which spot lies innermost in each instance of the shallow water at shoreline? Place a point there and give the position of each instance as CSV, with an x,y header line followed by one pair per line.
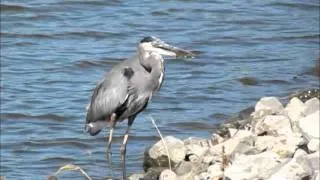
x,y
54,52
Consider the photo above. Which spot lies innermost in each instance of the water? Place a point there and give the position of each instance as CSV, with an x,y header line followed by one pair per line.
x,y
53,52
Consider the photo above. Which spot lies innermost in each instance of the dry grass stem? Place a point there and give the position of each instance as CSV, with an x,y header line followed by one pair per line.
x,y
71,167
162,140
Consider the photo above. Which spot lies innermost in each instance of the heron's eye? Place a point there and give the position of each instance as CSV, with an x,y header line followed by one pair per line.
x,y
147,39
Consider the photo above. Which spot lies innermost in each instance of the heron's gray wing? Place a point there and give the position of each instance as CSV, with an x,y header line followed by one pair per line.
x,y
109,94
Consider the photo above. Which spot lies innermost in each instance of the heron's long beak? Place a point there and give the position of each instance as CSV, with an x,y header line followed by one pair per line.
x,y
166,49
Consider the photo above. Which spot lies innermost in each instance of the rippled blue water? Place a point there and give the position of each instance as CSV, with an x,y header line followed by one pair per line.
x,y
53,52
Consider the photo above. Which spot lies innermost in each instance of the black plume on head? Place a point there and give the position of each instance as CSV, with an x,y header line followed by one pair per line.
x,y
147,39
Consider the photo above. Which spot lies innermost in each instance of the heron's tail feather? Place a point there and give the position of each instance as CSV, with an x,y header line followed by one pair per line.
x,y
94,128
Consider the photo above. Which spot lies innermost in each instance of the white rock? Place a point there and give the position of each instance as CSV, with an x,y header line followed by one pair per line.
x,y
232,131
269,104
136,177
265,142
167,175
216,139
196,150
314,145
175,147
231,144
310,125
311,106
314,160
196,147
316,176
258,166
196,140
274,124
280,145
215,171
295,109
297,168
202,176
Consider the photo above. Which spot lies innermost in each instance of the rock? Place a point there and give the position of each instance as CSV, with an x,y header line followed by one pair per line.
x,y
156,156
153,173
311,106
295,109
268,105
136,177
202,176
259,166
297,168
314,145
314,160
310,125
183,168
263,143
317,174
243,140
167,175
214,171
305,95
281,145
232,131
189,176
273,125
216,139
196,146
250,81
196,140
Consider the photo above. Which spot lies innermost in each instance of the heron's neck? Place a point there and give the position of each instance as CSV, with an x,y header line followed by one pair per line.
x,y
154,64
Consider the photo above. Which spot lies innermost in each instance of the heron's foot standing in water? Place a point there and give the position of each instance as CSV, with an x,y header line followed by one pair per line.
x,y
123,148
108,150
123,161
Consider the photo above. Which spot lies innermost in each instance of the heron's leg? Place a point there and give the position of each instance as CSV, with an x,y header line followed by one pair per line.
x,y
123,147
112,124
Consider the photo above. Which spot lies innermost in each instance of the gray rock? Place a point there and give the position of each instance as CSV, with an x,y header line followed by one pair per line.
x,y
176,148
311,106
297,168
153,173
183,168
314,145
156,156
189,176
259,166
167,175
268,105
310,125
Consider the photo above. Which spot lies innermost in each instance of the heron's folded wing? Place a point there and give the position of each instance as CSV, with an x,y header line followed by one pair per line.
x,y
109,94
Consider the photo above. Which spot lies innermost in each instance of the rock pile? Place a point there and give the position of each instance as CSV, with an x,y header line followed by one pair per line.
x,y
275,142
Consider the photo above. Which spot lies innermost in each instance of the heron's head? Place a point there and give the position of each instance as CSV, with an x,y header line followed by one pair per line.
x,y
151,44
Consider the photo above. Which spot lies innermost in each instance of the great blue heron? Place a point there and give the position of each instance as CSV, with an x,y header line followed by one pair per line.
x,y
126,90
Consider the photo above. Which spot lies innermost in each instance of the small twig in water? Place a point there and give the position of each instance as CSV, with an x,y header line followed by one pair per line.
x,y
162,140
